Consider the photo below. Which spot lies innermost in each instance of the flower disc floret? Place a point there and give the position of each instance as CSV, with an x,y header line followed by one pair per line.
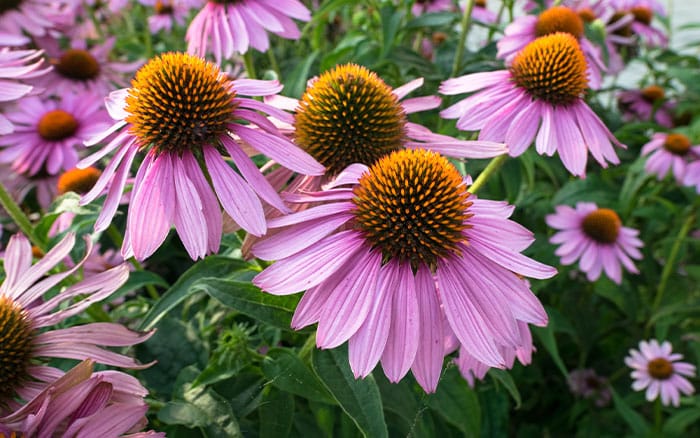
x,y
78,180
660,368
559,19
552,68
179,102
412,206
653,93
677,144
57,125
77,64
642,14
16,336
602,225
349,115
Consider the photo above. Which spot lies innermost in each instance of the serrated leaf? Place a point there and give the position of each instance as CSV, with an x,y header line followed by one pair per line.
x,y
359,399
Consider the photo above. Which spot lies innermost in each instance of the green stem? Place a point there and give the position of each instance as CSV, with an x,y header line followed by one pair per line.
x,y
249,64
273,63
671,261
491,168
658,416
19,218
308,347
465,25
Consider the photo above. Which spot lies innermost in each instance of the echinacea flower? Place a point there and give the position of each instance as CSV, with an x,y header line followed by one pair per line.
x,y
659,370
672,151
539,97
16,65
421,7
596,237
167,13
181,111
646,103
83,403
523,30
481,13
225,27
48,132
372,257
28,312
35,17
587,384
643,12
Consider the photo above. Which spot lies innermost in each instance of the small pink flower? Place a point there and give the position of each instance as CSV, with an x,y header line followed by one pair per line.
x,y
520,105
426,6
15,66
660,371
48,132
35,17
377,247
587,384
646,103
227,28
167,13
643,12
670,152
596,237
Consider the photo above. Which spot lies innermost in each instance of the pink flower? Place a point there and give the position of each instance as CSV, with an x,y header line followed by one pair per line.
x,y
47,132
481,13
596,237
201,119
660,371
16,65
536,89
587,384
643,12
34,17
83,403
670,151
646,103
379,244
167,13
29,311
524,30
227,28
426,6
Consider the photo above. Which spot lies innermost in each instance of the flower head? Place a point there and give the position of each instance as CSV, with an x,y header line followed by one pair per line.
x,y
667,152
596,237
659,370
180,112
27,315
167,13
372,257
544,84
15,66
225,27
587,384
645,104
35,17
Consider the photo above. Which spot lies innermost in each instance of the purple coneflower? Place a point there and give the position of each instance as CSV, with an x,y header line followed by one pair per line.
x,y
670,152
225,27
27,313
587,384
34,17
83,403
641,26
645,104
47,132
373,256
544,84
181,111
167,13
421,7
16,65
481,13
660,371
523,30
596,237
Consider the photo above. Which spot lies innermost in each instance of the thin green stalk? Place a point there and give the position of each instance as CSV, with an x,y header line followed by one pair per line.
x,y
308,347
491,168
249,64
273,63
465,25
19,218
658,416
671,261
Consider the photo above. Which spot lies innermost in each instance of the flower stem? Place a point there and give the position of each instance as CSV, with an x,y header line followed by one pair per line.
x,y
273,63
465,25
249,65
658,416
19,218
671,261
491,168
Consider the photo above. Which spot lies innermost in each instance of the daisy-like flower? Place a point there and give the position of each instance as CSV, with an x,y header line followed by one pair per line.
x,y
587,384
83,403
481,13
181,111
373,256
659,370
537,97
47,132
167,13
596,237
225,27
526,29
421,7
15,66
81,68
643,13
645,104
34,17
670,151
28,312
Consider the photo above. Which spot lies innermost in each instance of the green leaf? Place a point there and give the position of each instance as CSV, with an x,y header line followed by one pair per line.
x,y
433,19
507,380
250,300
358,398
184,413
138,280
457,403
546,337
391,22
276,413
288,373
632,418
680,420
295,83
213,266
